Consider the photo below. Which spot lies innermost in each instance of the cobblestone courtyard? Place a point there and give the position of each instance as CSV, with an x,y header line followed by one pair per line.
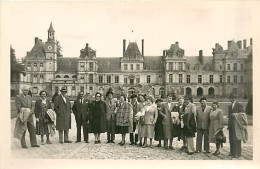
x,y
114,151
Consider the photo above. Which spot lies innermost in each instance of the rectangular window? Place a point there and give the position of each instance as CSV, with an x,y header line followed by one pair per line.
x,y
125,80
170,78
109,79
148,67
137,67
82,65
210,78
199,78
34,78
235,66
220,67
228,79
100,79
125,66
132,67
180,78
91,66
170,66
91,80
235,79
180,66
242,66
220,79
137,80
116,79
82,88
41,76
90,88
241,79
188,78
228,66
148,79
160,78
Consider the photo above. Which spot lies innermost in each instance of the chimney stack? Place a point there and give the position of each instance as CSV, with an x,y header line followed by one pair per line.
x,y
201,56
244,43
35,40
239,44
86,50
251,41
229,42
142,47
123,45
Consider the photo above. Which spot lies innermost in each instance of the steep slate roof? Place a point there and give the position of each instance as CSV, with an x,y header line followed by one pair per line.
x,y
241,53
132,50
39,48
108,64
67,64
155,62
193,61
51,28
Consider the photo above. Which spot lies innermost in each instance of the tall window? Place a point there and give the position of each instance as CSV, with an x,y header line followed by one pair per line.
x,y
160,78
34,78
220,67
137,80
235,66
235,79
35,66
228,79
170,66
91,66
100,79
180,78
241,79
137,67
180,66
242,66
220,79
228,66
148,79
188,78
132,67
41,64
210,78
148,67
199,78
82,66
125,66
29,64
109,79
116,79
170,78
91,80
82,88
125,80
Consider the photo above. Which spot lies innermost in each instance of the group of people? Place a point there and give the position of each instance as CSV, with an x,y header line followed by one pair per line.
x,y
140,116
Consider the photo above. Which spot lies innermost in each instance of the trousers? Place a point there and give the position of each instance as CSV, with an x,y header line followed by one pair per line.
x,y
66,135
200,134
235,145
32,132
190,144
84,124
111,129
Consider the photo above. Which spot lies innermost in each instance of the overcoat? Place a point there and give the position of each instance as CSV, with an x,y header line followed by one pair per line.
x,y
190,126
38,107
98,118
216,123
63,112
111,107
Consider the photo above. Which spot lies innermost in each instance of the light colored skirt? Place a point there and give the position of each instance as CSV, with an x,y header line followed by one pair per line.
x,y
147,131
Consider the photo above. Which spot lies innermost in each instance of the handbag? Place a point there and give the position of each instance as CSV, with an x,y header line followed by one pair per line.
x,y
141,120
220,137
47,119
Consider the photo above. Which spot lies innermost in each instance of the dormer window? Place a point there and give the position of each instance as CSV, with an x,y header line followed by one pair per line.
x,y
58,76
66,76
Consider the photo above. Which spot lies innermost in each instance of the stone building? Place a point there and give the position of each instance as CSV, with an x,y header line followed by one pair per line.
x,y
227,71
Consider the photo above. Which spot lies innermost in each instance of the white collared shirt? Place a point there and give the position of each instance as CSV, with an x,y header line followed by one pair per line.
x,y
233,104
169,105
64,98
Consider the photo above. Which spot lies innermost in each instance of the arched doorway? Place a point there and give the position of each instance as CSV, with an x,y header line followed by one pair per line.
x,y
188,91
131,91
199,91
211,91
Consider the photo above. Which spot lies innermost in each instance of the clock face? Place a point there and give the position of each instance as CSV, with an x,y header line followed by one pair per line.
x,y
49,47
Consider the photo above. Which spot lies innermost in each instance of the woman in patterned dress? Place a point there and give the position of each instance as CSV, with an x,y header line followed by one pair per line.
x,y
41,106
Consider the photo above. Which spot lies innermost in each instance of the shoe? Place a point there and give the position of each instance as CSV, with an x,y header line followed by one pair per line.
x,y
77,141
123,143
171,148
216,153
67,141
96,142
99,141
135,143
61,142
108,141
132,143
35,145
112,141
48,142
183,148
140,144
159,145
190,153
86,142
25,147
144,146
166,148
120,143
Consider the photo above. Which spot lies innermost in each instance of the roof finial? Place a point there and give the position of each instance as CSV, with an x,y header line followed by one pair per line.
x,y
51,28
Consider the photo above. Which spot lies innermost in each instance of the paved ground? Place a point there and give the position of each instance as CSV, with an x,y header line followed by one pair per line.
x,y
114,151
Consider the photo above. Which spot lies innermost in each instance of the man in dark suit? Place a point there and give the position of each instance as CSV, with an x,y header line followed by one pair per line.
x,y
110,117
235,145
62,108
25,101
81,112
202,117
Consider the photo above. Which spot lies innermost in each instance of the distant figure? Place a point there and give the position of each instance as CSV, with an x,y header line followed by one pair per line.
x,y
54,96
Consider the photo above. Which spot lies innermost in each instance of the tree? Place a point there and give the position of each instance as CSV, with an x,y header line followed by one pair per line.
x,y
16,68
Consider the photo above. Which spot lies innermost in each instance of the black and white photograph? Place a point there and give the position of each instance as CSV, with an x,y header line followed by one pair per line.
x,y
145,83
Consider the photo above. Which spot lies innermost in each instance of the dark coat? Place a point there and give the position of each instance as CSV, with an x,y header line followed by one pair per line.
x,y
81,111
190,127
38,107
98,119
63,112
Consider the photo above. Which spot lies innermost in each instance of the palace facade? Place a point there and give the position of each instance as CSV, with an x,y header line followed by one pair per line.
x,y
226,71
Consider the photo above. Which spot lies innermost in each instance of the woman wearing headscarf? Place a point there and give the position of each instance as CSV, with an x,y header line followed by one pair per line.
x,y
150,118
124,118
98,117
40,109
215,126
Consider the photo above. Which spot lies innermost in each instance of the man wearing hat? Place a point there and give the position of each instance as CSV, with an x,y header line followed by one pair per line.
x,y
235,144
110,117
136,109
62,108
202,117
189,128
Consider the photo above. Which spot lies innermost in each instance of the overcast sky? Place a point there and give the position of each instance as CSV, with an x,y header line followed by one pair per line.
x,y
104,25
